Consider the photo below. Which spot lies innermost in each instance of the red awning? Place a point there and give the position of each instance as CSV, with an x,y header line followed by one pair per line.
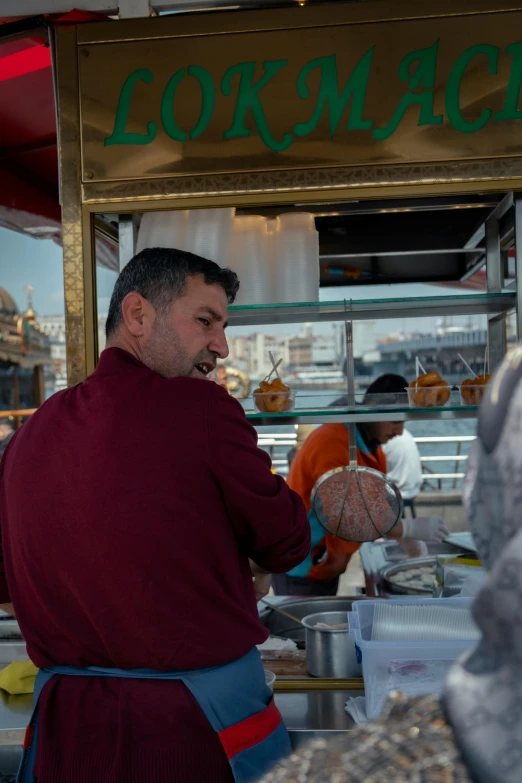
x,y
29,200
28,151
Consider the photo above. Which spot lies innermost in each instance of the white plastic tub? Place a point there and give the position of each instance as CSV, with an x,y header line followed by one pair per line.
x,y
415,668
270,678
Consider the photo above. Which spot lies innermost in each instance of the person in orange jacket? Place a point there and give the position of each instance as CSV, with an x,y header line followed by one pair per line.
x,y
326,448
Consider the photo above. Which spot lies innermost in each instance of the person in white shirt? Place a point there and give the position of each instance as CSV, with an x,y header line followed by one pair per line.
x,y
404,467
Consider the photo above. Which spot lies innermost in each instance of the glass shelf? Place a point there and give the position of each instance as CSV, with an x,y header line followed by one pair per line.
x,y
333,408
372,309
361,414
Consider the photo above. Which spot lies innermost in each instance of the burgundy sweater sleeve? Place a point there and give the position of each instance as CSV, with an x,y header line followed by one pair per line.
x,y
269,518
5,598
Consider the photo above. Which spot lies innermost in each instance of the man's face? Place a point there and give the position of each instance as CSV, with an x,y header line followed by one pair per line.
x,y
383,431
188,338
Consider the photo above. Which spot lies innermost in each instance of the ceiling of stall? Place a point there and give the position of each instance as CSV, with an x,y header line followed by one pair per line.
x,y
430,240
398,241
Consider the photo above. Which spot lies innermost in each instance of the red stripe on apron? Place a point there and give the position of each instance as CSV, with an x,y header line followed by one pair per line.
x,y
28,739
250,732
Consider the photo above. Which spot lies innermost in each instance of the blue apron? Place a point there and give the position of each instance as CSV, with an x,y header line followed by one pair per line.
x,y
234,698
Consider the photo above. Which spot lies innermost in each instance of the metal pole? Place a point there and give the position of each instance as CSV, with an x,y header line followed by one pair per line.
x,y
350,369
127,238
518,261
455,469
495,281
350,382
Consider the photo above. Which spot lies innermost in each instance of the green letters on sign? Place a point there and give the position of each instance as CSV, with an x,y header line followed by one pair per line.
x,y
422,76
328,96
510,110
251,90
119,135
208,101
248,98
453,109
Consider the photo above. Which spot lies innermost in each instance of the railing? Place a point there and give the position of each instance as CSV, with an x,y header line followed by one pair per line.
x,y
458,459
279,444
16,416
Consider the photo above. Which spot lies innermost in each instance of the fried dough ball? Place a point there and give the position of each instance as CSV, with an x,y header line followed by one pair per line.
x,y
472,390
429,379
273,397
430,391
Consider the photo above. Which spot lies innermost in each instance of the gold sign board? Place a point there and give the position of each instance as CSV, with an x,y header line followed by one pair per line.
x,y
371,94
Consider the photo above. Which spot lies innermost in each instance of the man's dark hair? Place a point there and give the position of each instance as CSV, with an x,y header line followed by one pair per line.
x,y
387,384
391,387
160,275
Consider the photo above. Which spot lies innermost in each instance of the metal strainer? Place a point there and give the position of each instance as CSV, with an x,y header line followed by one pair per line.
x,y
356,503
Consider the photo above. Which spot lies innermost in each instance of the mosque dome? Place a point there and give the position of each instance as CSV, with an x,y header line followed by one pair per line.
x,y
7,303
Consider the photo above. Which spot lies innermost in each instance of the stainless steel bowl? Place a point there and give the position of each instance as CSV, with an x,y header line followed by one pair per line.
x,y
330,652
393,588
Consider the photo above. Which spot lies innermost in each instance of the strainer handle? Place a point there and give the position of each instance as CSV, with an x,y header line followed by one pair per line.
x,y
352,435
350,382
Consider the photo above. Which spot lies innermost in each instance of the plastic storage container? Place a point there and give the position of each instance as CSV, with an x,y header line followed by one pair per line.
x,y
472,395
428,396
415,668
275,401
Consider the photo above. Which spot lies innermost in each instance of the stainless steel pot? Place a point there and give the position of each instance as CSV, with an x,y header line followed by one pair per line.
x,y
301,607
329,652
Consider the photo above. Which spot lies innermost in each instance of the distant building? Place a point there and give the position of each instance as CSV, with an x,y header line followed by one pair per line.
x,y
364,339
258,359
325,351
300,351
25,354
436,352
54,328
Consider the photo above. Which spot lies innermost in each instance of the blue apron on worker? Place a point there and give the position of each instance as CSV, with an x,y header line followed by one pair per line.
x,y
235,699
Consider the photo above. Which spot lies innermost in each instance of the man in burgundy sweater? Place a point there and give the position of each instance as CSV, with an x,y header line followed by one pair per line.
x,y
128,546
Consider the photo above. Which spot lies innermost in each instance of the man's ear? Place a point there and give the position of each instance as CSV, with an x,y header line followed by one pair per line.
x,y
138,314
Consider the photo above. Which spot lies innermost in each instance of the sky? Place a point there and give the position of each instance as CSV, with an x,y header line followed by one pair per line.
x,y
38,262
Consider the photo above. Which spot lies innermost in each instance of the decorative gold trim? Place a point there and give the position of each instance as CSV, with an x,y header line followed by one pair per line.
x,y
330,15
79,280
302,185
90,292
317,684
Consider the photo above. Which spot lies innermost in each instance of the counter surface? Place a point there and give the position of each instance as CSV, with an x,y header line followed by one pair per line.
x,y
313,713
304,713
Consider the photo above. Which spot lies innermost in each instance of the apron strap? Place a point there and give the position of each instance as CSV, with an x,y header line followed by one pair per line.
x,y
252,744
25,771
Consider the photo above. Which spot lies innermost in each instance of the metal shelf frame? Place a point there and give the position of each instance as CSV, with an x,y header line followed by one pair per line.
x,y
495,304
